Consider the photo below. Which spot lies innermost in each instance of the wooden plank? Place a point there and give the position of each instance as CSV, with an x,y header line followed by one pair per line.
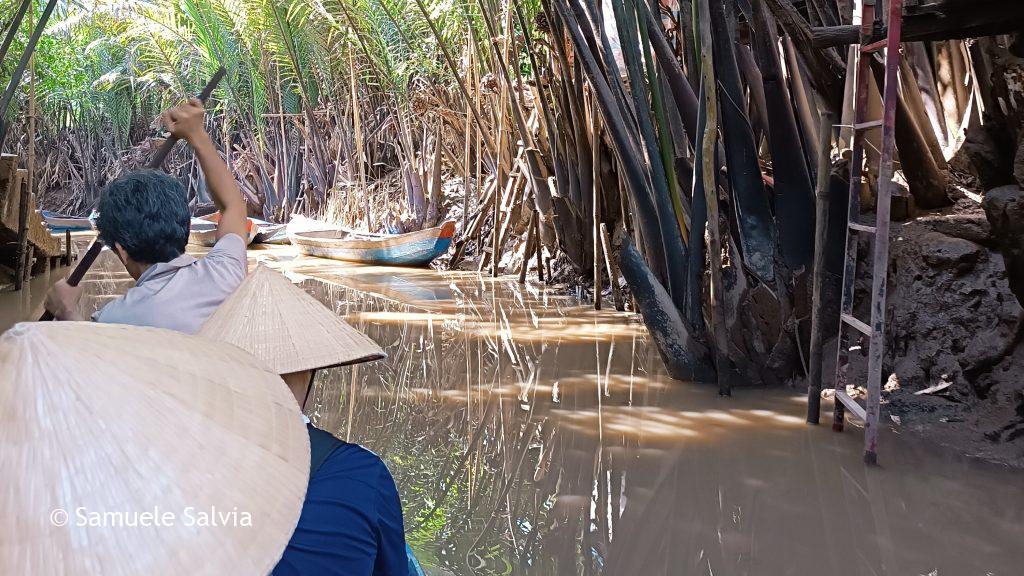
x,y
851,405
45,244
938,22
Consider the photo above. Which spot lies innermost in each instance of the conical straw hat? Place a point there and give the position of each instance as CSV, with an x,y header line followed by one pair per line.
x,y
286,328
103,423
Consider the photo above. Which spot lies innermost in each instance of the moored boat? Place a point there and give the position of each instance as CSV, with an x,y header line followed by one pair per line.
x,y
270,233
411,249
58,222
203,232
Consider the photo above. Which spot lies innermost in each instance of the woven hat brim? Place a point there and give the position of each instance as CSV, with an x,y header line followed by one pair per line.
x,y
286,328
113,419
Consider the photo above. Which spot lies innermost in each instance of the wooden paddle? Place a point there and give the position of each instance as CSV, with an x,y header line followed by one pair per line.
x,y
158,159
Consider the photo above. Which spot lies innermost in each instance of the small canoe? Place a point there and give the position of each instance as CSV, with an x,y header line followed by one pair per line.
x,y
411,249
60,222
203,232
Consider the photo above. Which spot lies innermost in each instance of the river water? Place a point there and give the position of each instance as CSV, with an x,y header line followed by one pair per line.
x,y
529,434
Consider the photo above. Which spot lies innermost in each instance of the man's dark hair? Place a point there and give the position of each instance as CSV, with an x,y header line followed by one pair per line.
x,y
147,214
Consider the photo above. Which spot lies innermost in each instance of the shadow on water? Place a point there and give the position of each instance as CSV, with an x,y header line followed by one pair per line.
x,y
531,435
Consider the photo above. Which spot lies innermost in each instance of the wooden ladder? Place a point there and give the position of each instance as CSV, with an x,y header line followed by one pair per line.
x,y
875,331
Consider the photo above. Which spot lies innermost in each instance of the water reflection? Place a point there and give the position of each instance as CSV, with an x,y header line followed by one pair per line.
x,y
530,435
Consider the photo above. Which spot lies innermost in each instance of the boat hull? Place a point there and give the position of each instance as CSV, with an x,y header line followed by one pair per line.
x,y
203,232
412,249
61,222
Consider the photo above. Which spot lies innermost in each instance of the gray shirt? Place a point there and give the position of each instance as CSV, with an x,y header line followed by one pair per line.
x,y
181,294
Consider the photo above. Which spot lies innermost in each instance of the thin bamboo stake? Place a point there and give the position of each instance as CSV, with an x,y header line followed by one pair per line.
x,y
540,250
24,262
357,126
21,189
595,151
30,163
818,274
502,104
469,141
531,237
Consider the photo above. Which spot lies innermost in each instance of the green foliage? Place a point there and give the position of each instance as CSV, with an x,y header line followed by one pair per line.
x,y
112,65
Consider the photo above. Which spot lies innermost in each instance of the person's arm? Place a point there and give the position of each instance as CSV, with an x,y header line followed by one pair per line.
x,y
186,122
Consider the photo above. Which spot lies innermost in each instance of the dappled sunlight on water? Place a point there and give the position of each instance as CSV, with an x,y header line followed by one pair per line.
x,y
531,435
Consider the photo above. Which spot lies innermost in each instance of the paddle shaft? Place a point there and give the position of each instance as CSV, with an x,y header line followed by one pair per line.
x,y
168,145
158,159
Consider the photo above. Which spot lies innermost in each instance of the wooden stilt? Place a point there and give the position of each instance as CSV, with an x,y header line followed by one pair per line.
x,y
30,256
21,188
818,272
531,238
595,157
67,247
540,249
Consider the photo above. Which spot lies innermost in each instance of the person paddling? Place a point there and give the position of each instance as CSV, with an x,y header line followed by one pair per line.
x,y
144,219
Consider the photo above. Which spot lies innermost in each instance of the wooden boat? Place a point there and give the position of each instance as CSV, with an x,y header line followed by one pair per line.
x,y
203,232
412,249
60,222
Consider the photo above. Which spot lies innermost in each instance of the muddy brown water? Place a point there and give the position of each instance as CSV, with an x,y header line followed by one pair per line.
x,y
529,434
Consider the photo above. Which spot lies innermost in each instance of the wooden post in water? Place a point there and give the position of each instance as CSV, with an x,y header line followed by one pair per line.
x,y
24,255
528,248
469,140
30,256
28,195
595,160
613,270
818,271
540,248
21,189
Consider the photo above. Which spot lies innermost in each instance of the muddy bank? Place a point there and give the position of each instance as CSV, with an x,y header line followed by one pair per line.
x,y
953,336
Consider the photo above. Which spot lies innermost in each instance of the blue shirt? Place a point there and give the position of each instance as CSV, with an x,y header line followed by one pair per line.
x,y
351,521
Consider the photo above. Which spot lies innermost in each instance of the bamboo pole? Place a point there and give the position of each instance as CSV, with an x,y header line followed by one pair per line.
x,y
21,189
469,141
595,152
357,125
24,266
818,271
540,250
528,249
